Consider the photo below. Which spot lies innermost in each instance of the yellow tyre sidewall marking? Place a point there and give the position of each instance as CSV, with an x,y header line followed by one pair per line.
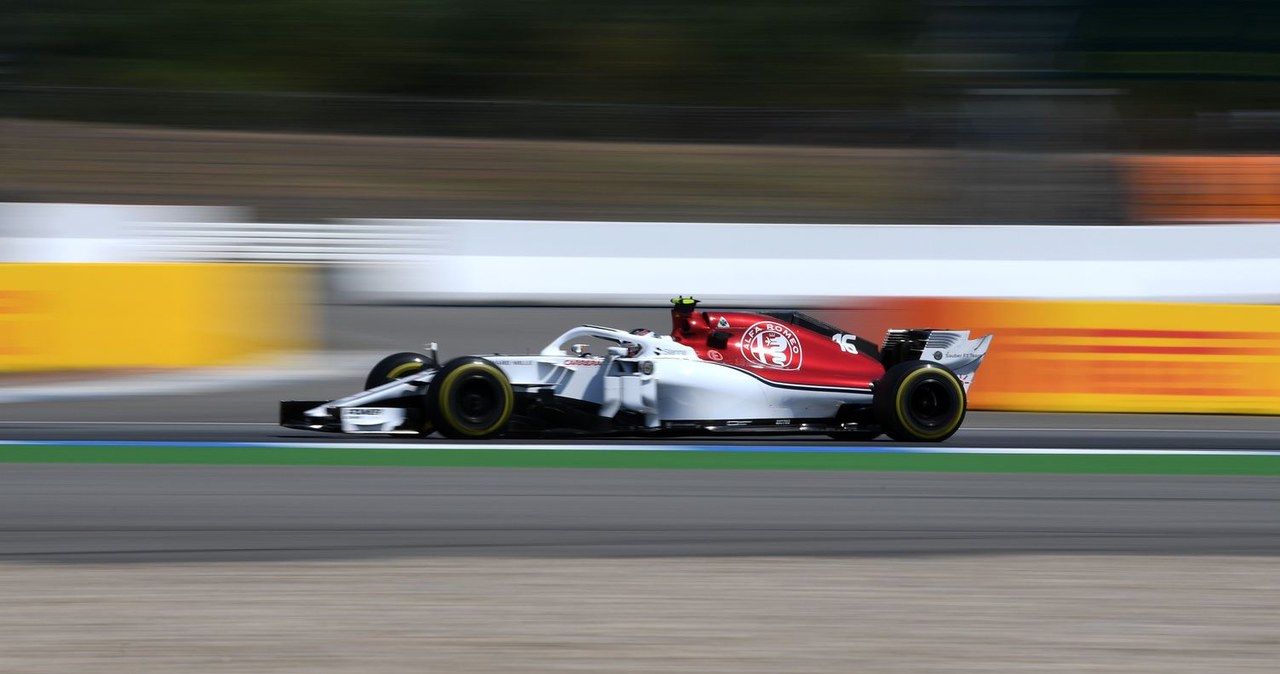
x,y
900,400
447,386
403,369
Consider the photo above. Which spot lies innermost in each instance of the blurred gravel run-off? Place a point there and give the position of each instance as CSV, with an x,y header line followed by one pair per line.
x,y
307,177
1016,614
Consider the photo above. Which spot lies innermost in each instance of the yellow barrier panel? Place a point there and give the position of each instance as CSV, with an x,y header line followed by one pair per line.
x,y
1108,356
94,316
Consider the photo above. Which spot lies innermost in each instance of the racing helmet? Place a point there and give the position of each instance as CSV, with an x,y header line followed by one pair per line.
x,y
633,348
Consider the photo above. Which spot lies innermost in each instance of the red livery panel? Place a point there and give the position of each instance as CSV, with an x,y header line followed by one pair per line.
x,y
785,348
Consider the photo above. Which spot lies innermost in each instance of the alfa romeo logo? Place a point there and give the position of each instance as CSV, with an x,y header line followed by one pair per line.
x,y
772,345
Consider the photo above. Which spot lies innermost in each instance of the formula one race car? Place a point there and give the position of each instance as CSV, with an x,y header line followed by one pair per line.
x,y
717,372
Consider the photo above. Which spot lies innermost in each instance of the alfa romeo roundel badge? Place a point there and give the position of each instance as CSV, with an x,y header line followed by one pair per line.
x,y
772,345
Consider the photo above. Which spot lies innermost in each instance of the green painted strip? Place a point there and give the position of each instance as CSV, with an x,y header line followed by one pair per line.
x,y
702,460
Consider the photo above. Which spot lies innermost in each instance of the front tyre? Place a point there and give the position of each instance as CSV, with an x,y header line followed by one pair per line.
x,y
917,401
470,398
398,366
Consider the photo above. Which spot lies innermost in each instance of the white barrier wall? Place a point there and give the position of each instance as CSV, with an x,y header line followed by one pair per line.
x,y
517,261
38,233
620,262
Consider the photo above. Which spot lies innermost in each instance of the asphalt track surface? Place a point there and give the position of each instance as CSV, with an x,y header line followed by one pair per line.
x,y
127,513
76,513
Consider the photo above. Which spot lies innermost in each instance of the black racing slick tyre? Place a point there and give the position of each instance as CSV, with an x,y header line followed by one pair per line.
x,y
470,398
917,401
397,366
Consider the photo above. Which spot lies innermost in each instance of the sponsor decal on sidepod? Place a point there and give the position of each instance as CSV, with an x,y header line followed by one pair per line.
x,y
772,345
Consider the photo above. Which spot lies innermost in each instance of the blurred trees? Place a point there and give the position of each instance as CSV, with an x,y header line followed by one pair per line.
x,y
1130,72
812,52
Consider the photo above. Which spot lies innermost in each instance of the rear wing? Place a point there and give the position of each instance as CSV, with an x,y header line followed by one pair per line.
x,y
951,348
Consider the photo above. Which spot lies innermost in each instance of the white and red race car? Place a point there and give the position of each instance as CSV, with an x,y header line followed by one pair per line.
x,y
717,372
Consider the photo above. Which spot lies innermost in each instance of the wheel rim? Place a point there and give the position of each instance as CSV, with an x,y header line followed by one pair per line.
x,y
477,401
931,404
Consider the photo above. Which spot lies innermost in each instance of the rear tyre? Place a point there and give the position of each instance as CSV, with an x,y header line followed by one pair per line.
x,y
918,401
398,366
470,398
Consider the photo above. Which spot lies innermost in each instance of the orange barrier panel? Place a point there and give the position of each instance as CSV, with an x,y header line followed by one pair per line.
x,y
1202,188
1106,356
95,316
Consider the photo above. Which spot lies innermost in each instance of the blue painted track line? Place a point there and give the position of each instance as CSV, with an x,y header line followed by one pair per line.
x,y
802,449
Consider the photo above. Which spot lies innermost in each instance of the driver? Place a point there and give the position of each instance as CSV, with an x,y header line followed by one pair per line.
x,y
633,348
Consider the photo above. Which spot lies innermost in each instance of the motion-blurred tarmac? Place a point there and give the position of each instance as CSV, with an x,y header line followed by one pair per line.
x,y
1015,614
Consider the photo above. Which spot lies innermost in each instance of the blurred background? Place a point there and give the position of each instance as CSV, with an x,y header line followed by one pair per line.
x,y
912,111
208,206
372,146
